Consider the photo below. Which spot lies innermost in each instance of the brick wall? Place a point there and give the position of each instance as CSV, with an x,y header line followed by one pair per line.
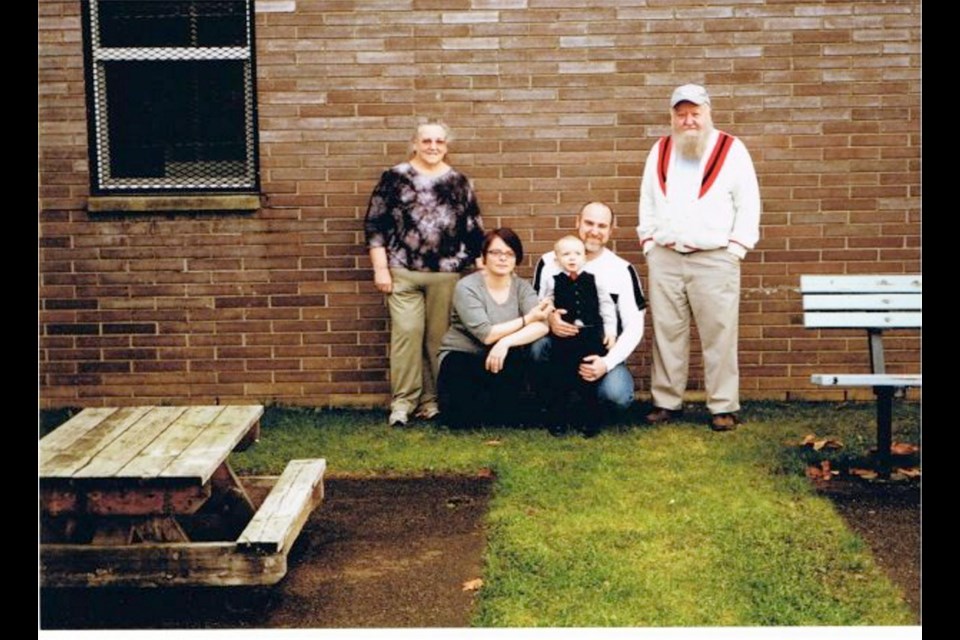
x,y
552,103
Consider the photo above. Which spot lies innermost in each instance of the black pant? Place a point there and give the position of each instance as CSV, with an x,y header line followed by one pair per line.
x,y
567,398
470,395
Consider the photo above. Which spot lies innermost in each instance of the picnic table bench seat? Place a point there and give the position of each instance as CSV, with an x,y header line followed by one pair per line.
x,y
872,303
278,521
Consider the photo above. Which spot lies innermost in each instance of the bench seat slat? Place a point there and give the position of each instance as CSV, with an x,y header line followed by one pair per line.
x,y
867,380
278,521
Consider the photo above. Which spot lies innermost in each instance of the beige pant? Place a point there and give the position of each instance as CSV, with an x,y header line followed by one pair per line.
x,y
706,286
419,316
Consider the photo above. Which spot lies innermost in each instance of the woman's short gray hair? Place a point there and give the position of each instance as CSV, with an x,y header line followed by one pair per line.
x,y
447,132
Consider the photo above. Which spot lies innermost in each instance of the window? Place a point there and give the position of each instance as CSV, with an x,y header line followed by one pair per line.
x,y
171,93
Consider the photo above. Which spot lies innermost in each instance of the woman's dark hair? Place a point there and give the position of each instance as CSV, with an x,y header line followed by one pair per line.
x,y
509,238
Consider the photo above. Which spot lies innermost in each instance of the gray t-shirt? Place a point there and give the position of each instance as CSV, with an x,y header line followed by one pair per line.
x,y
475,311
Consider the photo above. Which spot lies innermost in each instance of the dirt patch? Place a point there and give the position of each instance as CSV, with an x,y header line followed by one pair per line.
x,y
887,516
377,553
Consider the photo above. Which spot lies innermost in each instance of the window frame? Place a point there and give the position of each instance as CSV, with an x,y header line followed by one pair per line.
x,y
98,118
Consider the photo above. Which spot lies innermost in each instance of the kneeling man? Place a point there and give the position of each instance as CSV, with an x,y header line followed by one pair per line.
x,y
614,383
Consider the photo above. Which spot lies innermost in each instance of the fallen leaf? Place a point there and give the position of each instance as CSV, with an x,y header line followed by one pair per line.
x,y
827,443
903,449
825,471
473,585
485,472
866,474
493,443
455,501
910,472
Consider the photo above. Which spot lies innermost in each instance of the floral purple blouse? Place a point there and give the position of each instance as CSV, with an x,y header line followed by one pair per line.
x,y
426,223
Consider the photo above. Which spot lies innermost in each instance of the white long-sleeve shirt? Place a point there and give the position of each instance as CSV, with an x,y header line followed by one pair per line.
x,y
726,215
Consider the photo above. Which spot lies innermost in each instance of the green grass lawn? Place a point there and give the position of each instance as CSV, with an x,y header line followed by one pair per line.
x,y
666,526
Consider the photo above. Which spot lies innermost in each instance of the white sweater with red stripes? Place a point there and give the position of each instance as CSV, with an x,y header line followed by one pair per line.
x,y
726,215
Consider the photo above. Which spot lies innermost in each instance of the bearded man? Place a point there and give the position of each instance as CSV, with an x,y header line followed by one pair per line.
x,y
699,214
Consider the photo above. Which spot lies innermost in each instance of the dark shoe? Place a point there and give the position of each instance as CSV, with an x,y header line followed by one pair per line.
x,y
557,430
590,430
724,421
427,411
661,416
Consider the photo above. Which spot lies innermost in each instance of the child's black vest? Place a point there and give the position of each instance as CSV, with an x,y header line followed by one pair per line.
x,y
579,297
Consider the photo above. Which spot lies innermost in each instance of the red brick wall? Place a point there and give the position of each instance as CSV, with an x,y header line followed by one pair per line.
x,y
552,103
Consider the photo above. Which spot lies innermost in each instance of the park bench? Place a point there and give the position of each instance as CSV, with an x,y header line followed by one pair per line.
x,y
874,304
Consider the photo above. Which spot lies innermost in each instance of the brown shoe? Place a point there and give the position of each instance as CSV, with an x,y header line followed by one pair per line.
x,y
724,421
661,416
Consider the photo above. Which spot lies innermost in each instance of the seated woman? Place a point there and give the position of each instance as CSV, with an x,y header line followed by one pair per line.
x,y
493,310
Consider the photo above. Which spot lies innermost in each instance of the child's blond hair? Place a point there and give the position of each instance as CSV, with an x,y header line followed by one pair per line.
x,y
567,238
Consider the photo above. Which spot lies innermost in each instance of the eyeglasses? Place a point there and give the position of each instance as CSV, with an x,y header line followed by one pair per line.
x,y
499,253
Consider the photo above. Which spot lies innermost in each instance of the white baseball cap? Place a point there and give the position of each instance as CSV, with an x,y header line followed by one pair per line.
x,y
689,93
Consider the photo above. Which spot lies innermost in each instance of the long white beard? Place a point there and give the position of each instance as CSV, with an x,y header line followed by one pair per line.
x,y
692,146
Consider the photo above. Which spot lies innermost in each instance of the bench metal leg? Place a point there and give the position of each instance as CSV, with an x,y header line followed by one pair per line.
x,y
884,427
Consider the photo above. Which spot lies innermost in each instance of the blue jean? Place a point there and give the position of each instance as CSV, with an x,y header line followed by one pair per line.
x,y
615,389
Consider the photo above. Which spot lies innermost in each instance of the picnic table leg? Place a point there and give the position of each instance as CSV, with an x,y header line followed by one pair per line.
x,y
884,428
124,531
250,438
230,501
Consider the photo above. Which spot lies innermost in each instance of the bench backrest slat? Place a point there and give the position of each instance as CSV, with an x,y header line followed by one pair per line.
x,y
863,320
866,302
861,284
862,302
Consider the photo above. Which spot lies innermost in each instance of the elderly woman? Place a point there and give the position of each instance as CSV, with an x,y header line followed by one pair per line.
x,y
493,311
423,228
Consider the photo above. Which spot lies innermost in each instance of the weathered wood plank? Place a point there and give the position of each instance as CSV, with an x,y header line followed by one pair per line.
x,y
212,447
126,500
158,565
867,380
128,445
158,530
281,517
861,284
57,500
164,449
863,320
112,533
866,302
141,501
66,463
63,436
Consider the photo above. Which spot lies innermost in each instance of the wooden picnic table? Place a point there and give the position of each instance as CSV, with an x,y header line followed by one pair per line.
x,y
124,474
146,496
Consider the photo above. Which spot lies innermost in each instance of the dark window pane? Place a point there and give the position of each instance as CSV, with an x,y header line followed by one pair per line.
x,y
176,119
185,23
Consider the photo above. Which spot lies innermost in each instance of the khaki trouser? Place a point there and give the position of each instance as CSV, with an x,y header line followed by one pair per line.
x,y
706,286
419,316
